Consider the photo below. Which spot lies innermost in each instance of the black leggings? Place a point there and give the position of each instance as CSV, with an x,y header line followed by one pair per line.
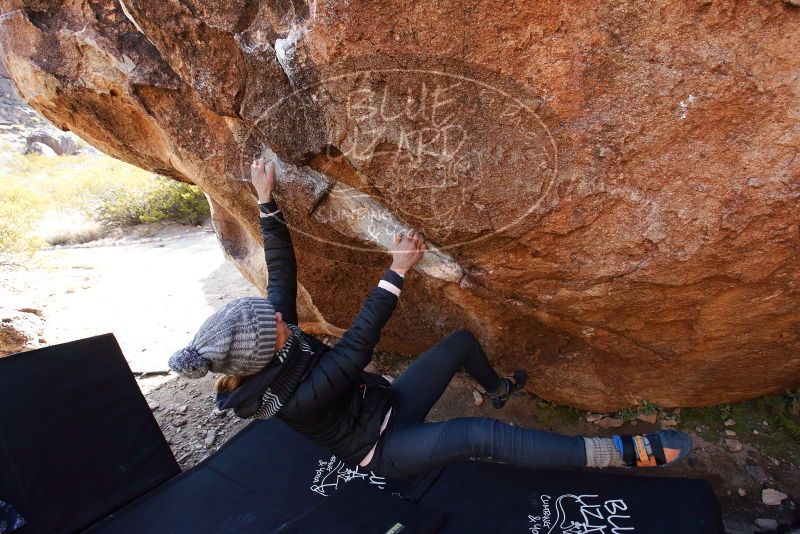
x,y
411,446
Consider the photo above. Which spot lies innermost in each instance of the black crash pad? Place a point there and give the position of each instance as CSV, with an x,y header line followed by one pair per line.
x,y
77,439
293,472
265,476
286,477
197,501
80,448
364,508
484,497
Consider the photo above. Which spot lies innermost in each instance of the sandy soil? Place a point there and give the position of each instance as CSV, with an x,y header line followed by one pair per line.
x,y
151,292
154,286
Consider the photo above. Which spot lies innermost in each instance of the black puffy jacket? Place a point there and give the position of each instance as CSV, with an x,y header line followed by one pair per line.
x,y
338,404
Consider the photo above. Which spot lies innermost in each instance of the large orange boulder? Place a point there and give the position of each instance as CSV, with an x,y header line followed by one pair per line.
x,y
610,194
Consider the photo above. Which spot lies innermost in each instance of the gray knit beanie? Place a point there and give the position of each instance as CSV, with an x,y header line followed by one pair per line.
x,y
238,339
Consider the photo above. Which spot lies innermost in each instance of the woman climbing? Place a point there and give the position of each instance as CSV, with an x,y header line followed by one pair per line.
x,y
272,368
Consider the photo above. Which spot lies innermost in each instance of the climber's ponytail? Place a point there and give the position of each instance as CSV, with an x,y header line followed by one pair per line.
x,y
227,383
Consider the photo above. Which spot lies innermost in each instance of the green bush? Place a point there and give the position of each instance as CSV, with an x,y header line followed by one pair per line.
x,y
176,201
164,199
120,205
37,193
793,400
644,407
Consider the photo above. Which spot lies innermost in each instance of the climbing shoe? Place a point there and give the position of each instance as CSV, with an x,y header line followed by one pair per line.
x,y
653,449
512,384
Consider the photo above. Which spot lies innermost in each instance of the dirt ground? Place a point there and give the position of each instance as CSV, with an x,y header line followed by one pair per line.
x,y
153,286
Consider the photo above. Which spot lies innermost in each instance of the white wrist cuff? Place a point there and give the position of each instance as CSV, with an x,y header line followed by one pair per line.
x,y
391,288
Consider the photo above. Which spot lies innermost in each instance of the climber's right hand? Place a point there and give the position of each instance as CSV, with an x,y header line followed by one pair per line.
x,y
262,176
409,247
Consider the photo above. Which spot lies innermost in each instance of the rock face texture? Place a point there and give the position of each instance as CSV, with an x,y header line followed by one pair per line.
x,y
611,195
13,110
61,145
20,330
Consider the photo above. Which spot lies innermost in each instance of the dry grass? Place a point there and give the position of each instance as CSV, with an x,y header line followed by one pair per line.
x,y
70,228
68,199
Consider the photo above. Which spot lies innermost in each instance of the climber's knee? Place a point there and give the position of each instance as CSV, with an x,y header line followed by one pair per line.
x,y
463,337
483,436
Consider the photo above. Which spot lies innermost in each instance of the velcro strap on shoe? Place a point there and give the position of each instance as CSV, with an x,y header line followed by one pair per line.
x,y
658,449
628,451
643,459
641,450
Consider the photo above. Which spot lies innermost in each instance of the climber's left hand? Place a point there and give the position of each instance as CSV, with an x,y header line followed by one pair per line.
x,y
262,175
